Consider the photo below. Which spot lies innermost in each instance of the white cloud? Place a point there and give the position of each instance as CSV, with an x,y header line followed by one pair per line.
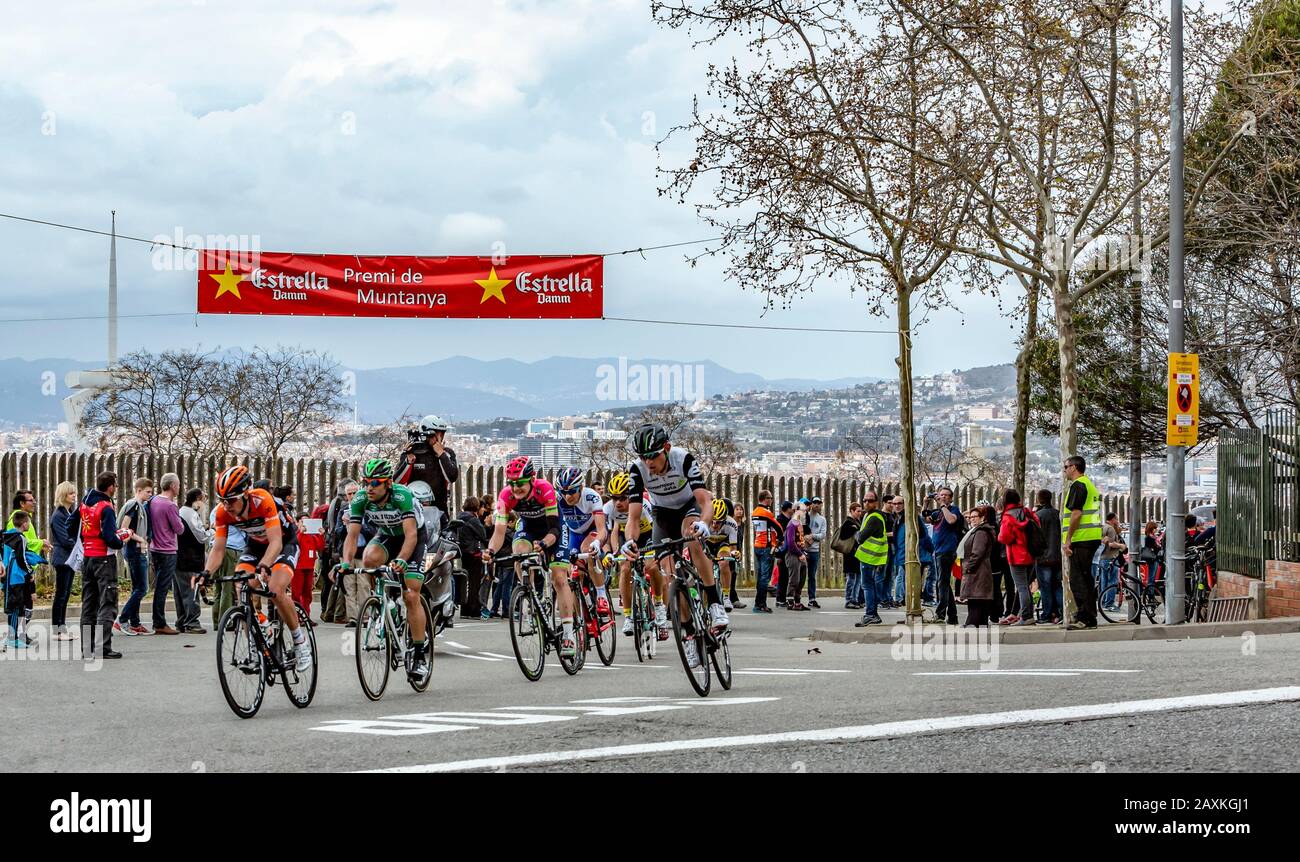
x,y
471,233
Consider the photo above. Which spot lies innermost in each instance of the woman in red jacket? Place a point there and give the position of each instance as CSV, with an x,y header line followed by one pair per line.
x,y
1011,533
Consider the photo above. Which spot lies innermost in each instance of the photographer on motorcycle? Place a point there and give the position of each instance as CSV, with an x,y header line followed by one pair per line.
x,y
427,459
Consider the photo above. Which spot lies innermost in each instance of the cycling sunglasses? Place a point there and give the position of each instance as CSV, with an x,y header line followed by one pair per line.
x,y
375,483
519,483
572,493
620,498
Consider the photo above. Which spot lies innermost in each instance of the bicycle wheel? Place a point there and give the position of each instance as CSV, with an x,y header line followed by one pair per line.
x,y
421,683
606,636
241,667
698,675
300,687
720,655
527,635
372,648
1153,605
640,624
1198,602
573,664
1110,604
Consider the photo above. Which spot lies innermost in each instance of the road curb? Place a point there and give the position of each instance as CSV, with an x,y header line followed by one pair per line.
x,y
886,634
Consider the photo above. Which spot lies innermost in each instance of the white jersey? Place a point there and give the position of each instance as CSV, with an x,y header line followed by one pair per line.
x,y
579,518
614,516
675,487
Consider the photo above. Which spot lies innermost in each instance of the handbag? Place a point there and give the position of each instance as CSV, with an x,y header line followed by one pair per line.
x,y
77,556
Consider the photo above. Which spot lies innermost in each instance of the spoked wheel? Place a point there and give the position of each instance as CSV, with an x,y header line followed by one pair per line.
x,y
527,635
241,667
640,625
421,682
720,655
606,636
300,686
1198,602
574,663
1111,604
373,648
699,674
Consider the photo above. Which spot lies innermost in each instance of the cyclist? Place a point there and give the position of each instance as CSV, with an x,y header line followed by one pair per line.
x,y
580,514
533,500
399,542
721,544
616,516
270,551
675,485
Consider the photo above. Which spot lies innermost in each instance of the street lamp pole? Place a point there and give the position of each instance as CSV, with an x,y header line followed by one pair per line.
x,y
1175,533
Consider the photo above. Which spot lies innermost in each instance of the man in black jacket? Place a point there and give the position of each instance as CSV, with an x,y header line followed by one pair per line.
x,y
472,539
428,459
852,568
1049,565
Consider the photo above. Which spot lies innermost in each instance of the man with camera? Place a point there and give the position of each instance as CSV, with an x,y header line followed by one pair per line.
x,y
428,459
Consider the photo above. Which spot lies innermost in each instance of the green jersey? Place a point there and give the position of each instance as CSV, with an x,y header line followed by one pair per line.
x,y
387,516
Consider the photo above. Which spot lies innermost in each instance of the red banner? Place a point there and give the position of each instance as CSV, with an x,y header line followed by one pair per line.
x,y
345,285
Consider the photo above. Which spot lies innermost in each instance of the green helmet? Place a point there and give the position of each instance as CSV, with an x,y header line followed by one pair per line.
x,y
377,468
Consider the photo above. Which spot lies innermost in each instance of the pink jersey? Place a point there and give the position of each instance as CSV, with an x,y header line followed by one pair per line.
x,y
538,505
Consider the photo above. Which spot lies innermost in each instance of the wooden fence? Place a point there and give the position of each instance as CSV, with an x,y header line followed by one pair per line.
x,y
315,481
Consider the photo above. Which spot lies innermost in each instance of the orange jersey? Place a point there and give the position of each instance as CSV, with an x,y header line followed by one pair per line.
x,y
261,510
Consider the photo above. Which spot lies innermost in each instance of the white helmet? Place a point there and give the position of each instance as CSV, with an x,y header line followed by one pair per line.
x,y
431,424
421,491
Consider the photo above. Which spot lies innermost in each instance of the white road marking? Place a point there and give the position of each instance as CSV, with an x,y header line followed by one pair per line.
x,y
766,673
456,645
1062,671
801,669
495,654
476,657
876,731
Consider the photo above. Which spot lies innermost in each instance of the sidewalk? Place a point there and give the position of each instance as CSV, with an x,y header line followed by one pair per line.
x,y
884,634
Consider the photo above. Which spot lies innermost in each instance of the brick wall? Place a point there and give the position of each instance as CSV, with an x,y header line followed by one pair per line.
x,y
1281,588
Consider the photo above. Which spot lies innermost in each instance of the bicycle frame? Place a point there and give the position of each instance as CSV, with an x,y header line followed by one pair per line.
x,y
244,600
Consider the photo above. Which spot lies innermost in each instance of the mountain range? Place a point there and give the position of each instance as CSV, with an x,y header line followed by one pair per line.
x,y
459,388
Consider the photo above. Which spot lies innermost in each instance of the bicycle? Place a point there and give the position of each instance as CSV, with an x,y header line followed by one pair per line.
x,y
645,634
1198,584
603,635
711,647
381,626
252,652
1146,599
535,627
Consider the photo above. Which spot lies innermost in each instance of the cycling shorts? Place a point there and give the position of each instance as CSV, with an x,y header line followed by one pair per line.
x,y
392,546
535,531
254,553
668,522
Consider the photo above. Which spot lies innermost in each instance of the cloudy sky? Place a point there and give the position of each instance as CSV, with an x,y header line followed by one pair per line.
x,y
397,128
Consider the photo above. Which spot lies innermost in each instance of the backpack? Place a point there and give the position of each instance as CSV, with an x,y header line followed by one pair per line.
x,y
1035,541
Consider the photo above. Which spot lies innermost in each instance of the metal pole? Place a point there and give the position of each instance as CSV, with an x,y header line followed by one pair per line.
x,y
112,295
1135,526
1175,535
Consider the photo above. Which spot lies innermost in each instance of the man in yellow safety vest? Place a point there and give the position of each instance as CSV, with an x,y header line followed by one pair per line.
x,y
873,553
1080,538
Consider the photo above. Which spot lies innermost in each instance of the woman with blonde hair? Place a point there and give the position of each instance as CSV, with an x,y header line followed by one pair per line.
x,y
65,523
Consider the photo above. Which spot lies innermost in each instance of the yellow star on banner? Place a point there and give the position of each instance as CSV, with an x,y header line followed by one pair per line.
x,y
229,282
492,286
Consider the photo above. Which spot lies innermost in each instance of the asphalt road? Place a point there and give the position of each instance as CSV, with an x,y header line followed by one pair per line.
x,y
160,709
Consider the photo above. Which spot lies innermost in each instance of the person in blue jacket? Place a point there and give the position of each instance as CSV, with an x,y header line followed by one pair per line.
x,y
925,553
19,576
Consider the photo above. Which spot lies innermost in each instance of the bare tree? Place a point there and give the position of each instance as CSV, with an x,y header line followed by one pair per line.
x,y
800,192
875,443
296,392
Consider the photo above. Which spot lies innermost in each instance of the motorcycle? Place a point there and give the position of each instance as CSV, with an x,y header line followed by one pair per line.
x,y
442,566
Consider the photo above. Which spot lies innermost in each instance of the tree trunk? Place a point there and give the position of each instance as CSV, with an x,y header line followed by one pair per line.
x,y
1018,441
1069,438
907,439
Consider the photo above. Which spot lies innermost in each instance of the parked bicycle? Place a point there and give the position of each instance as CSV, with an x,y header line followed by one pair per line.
x,y
383,637
254,649
690,621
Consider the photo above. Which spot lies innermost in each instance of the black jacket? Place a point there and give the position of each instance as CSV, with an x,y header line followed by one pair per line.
x,y
473,538
440,472
64,526
1050,520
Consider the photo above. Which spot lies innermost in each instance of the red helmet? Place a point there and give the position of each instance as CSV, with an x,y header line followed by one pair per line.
x,y
520,468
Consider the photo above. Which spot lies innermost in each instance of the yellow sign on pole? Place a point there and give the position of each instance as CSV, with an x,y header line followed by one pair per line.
x,y
1184,416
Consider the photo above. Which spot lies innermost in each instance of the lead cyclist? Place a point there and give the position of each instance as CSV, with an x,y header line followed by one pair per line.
x,y
677,491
